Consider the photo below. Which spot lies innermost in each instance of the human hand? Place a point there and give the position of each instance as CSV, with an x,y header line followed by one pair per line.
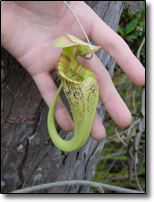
x,y
28,30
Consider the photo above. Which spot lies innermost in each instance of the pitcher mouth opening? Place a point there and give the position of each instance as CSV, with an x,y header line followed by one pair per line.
x,y
73,72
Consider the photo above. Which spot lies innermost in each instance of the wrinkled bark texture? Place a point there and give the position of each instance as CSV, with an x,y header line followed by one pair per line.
x,y
27,152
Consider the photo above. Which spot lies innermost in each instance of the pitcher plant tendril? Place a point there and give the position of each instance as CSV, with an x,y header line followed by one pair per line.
x,y
82,55
81,90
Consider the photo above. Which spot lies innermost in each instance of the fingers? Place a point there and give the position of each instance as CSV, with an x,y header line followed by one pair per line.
x,y
98,130
115,46
108,93
48,91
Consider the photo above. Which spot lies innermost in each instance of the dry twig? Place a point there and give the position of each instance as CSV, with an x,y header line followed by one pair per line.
x,y
73,183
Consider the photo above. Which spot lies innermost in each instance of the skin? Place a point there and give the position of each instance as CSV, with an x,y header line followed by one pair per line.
x,y
28,29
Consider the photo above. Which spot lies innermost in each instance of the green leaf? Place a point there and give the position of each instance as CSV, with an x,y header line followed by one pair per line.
x,y
131,26
143,11
121,31
143,3
131,37
137,15
124,14
143,15
130,13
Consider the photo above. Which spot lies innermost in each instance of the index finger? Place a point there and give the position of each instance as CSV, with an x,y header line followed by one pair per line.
x,y
48,91
116,47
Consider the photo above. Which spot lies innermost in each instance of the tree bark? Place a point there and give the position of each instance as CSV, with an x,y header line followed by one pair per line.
x,y
27,152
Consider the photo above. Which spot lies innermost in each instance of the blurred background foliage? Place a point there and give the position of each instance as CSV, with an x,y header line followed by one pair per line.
x,y
122,161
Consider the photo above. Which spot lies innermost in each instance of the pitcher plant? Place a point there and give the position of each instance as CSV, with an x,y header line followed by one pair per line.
x,y
80,88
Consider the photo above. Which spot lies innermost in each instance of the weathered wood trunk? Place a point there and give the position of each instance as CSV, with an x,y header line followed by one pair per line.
x,y
27,152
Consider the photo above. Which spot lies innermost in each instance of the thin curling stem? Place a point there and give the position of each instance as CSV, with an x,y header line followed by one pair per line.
x,y
81,28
